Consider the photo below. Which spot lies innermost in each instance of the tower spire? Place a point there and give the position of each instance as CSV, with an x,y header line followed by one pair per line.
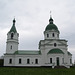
x,y
50,14
13,28
50,20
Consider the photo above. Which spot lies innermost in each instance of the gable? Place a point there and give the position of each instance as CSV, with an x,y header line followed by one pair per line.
x,y
69,53
59,42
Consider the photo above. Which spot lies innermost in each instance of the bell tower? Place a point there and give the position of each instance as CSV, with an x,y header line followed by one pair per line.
x,y
12,39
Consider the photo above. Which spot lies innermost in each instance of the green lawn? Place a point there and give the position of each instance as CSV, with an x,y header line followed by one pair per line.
x,y
35,71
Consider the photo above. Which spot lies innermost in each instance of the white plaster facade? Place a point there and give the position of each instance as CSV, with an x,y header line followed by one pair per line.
x,y
53,51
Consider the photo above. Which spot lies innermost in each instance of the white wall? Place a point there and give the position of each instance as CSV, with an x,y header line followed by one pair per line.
x,y
24,58
12,42
50,32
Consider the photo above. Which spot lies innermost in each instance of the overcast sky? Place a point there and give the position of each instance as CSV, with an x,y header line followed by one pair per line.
x,y
32,16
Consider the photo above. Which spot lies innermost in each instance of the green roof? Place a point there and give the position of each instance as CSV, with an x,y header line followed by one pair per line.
x,y
28,52
69,53
51,25
13,28
55,51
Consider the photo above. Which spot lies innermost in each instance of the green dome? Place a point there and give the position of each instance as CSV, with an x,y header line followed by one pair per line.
x,y
51,25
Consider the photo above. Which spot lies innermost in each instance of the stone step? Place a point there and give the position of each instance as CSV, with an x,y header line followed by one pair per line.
x,y
59,67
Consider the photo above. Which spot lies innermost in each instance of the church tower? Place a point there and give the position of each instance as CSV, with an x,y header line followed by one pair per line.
x,y
12,39
52,46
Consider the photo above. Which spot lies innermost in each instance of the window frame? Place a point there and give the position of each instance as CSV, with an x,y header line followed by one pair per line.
x,y
12,35
10,61
55,44
70,61
11,47
47,35
20,60
53,34
28,61
50,60
36,61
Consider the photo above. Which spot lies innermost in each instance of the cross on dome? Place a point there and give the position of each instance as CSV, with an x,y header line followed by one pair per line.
x,y
50,20
14,21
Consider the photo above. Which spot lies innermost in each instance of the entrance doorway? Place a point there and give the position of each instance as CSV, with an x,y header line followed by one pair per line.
x,y
57,61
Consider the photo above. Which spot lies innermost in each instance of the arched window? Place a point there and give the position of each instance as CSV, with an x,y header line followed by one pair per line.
x,y
11,47
70,61
47,35
12,35
50,60
55,44
20,61
36,61
53,35
10,61
28,61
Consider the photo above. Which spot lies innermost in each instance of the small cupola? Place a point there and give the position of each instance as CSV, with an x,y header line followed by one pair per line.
x,y
51,25
51,30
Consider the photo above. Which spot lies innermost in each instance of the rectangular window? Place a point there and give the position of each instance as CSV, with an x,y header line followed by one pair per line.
x,y
70,61
12,35
28,61
10,61
11,47
20,61
47,35
53,35
36,61
51,60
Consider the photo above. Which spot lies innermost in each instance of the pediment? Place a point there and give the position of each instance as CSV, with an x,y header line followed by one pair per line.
x,y
59,42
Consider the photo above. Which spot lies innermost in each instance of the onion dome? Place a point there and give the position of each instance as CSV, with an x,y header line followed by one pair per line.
x,y
51,25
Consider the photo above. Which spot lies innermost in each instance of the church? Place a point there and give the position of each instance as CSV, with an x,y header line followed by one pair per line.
x,y
53,51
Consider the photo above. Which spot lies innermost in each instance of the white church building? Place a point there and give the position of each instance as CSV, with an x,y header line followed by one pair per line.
x,y
53,51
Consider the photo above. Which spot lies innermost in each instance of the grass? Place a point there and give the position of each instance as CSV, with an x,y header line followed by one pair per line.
x,y
35,71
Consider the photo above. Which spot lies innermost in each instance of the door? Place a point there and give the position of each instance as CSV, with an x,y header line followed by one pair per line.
x,y
57,61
